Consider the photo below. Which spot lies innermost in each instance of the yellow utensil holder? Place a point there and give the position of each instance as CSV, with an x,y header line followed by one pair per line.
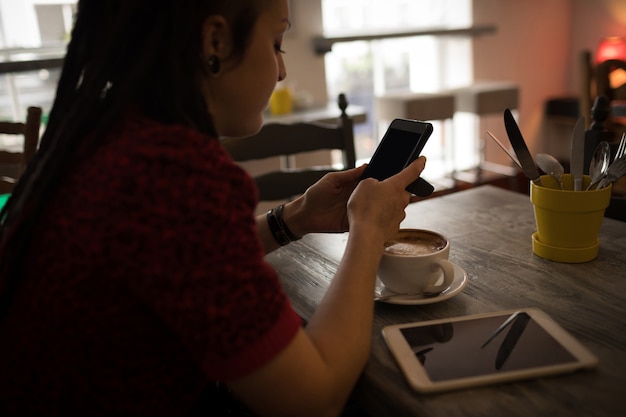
x,y
568,222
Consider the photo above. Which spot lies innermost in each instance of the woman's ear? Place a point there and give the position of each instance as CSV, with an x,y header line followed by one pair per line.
x,y
216,37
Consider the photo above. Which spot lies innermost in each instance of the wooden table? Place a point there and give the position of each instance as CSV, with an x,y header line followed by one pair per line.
x,y
490,231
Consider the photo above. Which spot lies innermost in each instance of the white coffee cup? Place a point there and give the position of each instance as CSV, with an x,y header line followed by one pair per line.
x,y
416,260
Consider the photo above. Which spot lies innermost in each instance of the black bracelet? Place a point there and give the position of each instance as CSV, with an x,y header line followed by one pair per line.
x,y
279,229
281,221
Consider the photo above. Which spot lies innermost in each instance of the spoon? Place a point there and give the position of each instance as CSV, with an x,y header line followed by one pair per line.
x,y
551,166
599,163
424,293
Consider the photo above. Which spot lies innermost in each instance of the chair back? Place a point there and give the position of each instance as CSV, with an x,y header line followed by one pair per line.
x,y
30,131
286,140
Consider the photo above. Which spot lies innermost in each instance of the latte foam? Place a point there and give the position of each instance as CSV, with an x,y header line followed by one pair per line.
x,y
415,244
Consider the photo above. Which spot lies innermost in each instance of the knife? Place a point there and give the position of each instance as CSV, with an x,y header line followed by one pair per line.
x,y
577,155
520,148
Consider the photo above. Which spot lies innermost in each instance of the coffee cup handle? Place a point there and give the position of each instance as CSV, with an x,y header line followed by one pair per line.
x,y
448,275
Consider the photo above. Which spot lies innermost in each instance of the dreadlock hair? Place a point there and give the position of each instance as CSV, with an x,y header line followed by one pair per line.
x,y
143,53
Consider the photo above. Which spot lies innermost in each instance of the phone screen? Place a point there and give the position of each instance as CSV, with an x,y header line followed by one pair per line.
x,y
395,154
471,348
398,148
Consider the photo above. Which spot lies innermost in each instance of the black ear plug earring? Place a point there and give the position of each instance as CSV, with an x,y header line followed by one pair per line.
x,y
214,64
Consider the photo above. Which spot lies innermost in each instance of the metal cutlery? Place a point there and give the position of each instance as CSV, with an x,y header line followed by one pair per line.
x,y
621,149
617,169
551,166
577,154
426,294
601,175
521,150
599,163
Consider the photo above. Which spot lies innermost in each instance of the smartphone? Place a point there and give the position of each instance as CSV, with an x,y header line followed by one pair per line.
x,y
402,143
468,351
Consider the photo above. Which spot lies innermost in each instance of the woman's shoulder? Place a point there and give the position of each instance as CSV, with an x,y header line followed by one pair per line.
x,y
137,132
177,146
148,157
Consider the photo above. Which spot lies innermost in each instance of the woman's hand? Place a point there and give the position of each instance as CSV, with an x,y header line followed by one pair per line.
x,y
376,208
324,206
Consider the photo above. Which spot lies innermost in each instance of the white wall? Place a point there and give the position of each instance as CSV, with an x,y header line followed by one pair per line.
x,y
305,69
538,45
592,21
531,48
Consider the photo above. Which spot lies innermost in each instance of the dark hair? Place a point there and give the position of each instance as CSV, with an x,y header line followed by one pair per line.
x,y
143,53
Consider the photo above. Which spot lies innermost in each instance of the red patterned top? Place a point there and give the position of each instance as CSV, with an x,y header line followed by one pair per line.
x,y
145,282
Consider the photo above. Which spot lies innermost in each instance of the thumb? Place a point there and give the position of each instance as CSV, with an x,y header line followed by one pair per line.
x,y
351,175
411,172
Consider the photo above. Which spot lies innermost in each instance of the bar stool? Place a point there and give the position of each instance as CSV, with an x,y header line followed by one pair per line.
x,y
485,98
420,106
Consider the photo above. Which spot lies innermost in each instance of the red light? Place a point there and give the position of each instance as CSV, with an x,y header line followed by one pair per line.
x,y
613,47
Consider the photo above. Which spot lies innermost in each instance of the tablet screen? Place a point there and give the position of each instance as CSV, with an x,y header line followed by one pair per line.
x,y
484,346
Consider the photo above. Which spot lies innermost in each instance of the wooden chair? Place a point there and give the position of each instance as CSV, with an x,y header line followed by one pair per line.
x,y
30,131
286,140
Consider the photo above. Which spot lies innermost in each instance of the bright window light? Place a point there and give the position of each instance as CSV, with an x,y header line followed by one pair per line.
x,y
365,69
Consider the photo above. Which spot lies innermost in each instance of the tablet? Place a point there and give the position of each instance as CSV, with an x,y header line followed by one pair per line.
x,y
462,352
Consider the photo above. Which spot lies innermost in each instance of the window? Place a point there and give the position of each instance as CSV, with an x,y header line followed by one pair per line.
x,y
30,29
364,69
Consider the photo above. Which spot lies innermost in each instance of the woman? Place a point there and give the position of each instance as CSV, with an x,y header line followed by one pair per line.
x,y
132,273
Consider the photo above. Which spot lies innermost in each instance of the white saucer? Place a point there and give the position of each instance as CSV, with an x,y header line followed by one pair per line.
x,y
458,283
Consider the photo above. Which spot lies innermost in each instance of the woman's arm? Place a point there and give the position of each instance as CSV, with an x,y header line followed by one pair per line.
x,y
317,371
322,208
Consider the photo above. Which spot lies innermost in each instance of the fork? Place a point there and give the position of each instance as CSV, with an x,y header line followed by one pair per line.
x,y
617,169
622,147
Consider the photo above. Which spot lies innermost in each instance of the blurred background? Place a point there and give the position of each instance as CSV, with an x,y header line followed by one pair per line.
x,y
526,53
